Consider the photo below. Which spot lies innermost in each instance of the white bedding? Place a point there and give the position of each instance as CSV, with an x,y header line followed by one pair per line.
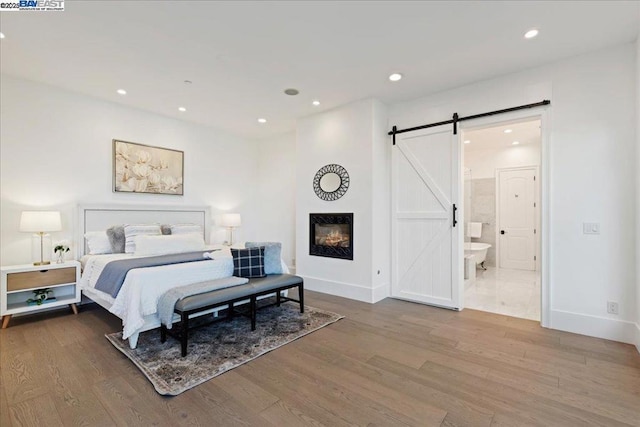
x,y
142,287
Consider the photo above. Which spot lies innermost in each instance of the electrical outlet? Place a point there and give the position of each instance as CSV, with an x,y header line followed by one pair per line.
x,y
591,228
612,307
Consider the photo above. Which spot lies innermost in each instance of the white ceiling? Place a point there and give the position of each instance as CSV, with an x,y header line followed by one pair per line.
x,y
242,55
494,138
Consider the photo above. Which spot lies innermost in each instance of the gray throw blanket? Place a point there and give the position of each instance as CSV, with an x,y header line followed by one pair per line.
x,y
114,273
168,300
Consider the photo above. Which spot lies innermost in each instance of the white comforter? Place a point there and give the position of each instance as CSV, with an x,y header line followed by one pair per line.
x,y
143,287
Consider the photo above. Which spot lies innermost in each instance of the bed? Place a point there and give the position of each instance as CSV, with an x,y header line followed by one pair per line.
x,y
136,303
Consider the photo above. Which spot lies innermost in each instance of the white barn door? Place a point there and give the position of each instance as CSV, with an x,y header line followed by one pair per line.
x,y
426,244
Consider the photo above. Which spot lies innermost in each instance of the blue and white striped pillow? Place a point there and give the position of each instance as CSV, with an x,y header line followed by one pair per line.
x,y
133,230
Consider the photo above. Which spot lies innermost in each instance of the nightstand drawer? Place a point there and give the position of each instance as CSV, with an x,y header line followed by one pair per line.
x,y
42,278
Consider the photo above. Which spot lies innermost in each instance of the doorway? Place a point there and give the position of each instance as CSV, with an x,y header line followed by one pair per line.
x,y
501,218
429,236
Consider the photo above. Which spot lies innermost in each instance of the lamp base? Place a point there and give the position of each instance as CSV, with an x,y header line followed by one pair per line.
x,y
41,249
230,236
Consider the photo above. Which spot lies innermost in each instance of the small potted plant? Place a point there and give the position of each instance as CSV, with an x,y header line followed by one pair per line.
x,y
60,250
40,296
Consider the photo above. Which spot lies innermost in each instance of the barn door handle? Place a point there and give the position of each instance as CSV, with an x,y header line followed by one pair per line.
x,y
454,210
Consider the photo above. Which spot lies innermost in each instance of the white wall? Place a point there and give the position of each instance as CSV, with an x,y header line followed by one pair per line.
x,y
346,136
592,177
638,192
55,149
381,203
277,193
484,162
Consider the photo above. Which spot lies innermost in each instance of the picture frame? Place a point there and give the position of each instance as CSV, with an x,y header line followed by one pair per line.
x,y
140,168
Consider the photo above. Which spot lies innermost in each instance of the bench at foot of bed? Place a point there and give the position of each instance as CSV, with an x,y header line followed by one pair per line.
x,y
195,304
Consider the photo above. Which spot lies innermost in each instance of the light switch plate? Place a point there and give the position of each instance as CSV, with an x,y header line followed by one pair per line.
x,y
591,228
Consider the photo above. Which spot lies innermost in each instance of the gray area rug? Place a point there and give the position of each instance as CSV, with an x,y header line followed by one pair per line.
x,y
219,347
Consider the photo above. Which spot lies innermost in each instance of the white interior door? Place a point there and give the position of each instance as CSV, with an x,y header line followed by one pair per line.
x,y
517,212
427,246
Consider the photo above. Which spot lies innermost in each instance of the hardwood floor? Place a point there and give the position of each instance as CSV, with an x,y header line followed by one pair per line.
x,y
392,363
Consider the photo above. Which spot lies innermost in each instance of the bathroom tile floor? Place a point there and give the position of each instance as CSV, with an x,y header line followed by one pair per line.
x,y
510,292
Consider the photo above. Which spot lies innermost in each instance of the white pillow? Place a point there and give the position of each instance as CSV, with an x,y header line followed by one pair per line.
x,y
168,244
98,242
133,230
186,229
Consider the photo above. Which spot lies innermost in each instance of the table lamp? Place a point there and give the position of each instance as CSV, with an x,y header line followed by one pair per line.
x,y
40,222
231,221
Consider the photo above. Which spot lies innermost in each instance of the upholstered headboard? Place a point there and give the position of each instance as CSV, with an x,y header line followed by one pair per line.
x,y
98,217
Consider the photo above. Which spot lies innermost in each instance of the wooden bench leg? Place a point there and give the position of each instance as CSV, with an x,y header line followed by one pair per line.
x,y
230,311
301,297
184,334
253,311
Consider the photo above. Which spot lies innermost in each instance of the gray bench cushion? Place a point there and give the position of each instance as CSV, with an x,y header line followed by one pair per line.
x,y
255,285
274,281
214,297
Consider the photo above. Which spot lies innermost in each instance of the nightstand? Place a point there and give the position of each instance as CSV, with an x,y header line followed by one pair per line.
x,y
19,282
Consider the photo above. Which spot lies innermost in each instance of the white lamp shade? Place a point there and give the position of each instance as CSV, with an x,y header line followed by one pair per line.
x,y
231,220
40,221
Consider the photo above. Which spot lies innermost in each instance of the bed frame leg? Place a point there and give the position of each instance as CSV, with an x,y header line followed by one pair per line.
x,y
133,340
163,334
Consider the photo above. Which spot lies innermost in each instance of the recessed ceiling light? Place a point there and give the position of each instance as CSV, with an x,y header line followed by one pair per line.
x,y
261,120
122,91
1,35
291,91
515,143
182,109
316,103
508,131
395,77
467,142
531,33
188,82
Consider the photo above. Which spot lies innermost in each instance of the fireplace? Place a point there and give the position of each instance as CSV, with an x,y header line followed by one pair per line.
x,y
331,235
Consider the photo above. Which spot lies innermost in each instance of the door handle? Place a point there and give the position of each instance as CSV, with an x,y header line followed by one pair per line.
x,y
502,231
454,210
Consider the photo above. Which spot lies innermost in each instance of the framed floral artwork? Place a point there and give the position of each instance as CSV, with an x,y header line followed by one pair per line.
x,y
139,168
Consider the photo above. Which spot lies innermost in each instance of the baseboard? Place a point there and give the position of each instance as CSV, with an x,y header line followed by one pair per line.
x,y
638,337
381,292
594,326
346,290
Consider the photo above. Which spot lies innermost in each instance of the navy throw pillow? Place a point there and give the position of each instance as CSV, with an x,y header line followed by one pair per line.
x,y
248,263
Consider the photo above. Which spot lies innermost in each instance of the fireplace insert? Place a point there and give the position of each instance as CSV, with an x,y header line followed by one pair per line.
x,y
331,235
